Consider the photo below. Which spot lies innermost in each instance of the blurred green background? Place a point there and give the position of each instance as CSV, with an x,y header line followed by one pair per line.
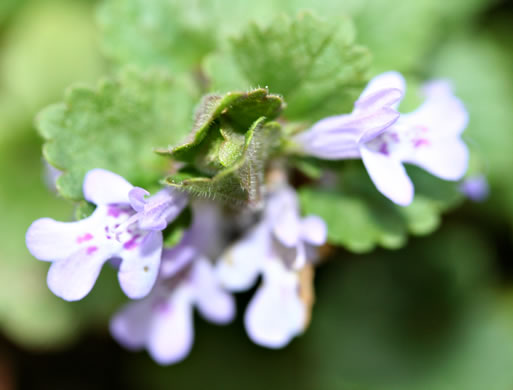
x,y
435,315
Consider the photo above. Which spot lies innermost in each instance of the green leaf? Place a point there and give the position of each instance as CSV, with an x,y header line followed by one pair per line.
x,y
49,45
170,33
240,183
313,63
115,126
359,218
217,138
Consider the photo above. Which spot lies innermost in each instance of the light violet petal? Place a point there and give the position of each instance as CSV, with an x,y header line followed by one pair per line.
x,y
136,196
239,266
328,124
287,228
284,198
389,176
162,208
314,230
342,142
103,187
276,313
176,259
387,97
330,146
50,240
476,188
385,80
376,123
447,159
139,268
442,114
172,330
130,327
282,215
73,278
215,304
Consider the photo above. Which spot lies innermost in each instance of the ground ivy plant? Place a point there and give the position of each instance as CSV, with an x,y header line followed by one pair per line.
x,y
199,167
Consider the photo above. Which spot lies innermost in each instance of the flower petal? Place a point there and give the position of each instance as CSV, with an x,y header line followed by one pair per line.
x,y
330,138
136,196
447,159
387,80
276,313
74,277
287,228
139,268
212,301
239,266
389,176
172,331
103,187
50,240
476,188
162,208
176,259
130,327
314,230
282,215
442,113
372,102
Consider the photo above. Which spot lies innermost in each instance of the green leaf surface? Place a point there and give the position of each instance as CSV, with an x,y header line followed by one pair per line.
x,y
170,33
217,138
49,45
241,183
359,218
313,63
115,126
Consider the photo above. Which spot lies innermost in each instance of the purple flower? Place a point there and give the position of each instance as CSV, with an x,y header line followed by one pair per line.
x,y
277,247
163,321
428,137
476,188
124,226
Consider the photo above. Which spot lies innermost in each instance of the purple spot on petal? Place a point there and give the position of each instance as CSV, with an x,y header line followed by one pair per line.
x,y
161,306
394,137
420,142
114,211
132,243
383,149
90,250
85,237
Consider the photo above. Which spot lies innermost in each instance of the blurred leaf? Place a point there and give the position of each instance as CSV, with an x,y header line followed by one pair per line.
x,y
115,127
7,8
359,218
480,69
169,33
29,313
418,318
48,46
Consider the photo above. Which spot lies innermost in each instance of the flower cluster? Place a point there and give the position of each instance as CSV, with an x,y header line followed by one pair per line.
x,y
384,139
276,245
